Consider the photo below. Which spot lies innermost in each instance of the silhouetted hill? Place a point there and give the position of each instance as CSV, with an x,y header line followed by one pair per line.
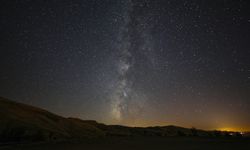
x,y
20,122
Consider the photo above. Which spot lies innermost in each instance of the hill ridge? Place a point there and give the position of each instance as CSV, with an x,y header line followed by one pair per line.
x,y
22,122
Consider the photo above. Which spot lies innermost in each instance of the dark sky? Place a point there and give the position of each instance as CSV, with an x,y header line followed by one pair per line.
x,y
130,62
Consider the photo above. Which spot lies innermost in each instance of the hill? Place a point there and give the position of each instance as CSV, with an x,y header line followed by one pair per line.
x,y
21,122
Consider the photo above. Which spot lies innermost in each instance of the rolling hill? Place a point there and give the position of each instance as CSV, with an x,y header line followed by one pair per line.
x,y
21,122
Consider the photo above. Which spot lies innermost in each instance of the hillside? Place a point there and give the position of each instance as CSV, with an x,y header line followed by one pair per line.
x,y
20,122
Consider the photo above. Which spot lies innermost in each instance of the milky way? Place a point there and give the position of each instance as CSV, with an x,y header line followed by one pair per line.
x,y
123,95
130,62
134,43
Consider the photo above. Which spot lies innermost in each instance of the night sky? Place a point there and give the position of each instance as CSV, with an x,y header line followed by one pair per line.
x,y
130,62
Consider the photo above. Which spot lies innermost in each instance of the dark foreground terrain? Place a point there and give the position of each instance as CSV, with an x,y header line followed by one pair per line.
x,y
24,127
144,143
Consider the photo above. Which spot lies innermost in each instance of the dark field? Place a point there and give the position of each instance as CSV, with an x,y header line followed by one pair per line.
x,y
145,143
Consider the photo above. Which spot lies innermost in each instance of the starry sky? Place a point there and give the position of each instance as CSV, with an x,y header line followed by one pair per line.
x,y
130,62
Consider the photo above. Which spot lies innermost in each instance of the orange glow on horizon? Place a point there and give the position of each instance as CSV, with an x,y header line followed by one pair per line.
x,y
140,123
231,129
